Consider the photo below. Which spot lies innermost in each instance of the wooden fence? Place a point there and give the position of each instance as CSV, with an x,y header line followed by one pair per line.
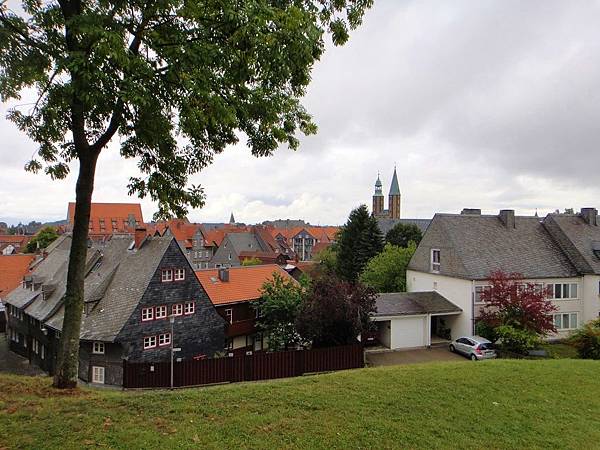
x,y
258,366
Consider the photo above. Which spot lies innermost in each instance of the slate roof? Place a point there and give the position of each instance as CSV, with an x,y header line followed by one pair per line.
x,y
245,242
413,303
245,283
116,279
472,246
577,239
386,224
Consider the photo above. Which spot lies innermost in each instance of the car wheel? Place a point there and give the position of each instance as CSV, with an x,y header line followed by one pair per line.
x,y
473,358
452,349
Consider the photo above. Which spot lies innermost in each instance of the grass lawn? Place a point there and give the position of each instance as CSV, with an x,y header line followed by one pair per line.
x,y
489,404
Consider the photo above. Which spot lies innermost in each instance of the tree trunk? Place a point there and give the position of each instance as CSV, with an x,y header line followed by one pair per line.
x,y
68,350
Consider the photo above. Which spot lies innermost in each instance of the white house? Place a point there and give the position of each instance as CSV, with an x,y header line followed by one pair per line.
x,y
459,251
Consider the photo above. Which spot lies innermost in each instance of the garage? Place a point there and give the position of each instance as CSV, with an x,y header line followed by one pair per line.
x,y
403,319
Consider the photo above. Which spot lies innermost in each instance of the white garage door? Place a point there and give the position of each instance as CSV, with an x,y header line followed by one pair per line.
x,y
408,332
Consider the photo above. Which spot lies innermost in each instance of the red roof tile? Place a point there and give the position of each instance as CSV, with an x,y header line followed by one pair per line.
x,y
12,270
245,283
102,216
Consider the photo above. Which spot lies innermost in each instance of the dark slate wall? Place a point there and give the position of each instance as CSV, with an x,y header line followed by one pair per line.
x,y
111,360
202,333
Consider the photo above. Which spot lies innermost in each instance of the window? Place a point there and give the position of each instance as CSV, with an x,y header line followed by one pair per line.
x,y
43,353
177,310
565,321
189,308
164,339
161,312
435,260
229,315
229,257
147,314
229,344
564,291
98,348
35,346
167,275
479,290
149,342
179,274
98,374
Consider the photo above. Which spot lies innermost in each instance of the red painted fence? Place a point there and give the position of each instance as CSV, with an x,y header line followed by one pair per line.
x,y
259,366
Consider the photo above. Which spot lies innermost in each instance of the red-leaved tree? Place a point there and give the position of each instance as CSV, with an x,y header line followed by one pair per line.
x,y
335,312
513,302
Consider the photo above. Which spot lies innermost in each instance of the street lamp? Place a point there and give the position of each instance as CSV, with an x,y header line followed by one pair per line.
x,y
172,321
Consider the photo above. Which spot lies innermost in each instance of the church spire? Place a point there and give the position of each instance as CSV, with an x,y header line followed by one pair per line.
x,y
395,187
378,187
231,219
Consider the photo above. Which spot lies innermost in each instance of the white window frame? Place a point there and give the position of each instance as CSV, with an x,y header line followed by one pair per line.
x,y
149,342
98,348
166,275
160,312
229,315
164,339
177,309
565,313
179,274
189,308
481,288
436,266
147,314
562,291
98,373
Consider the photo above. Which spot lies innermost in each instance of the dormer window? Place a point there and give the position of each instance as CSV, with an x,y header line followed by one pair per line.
x,y
436,264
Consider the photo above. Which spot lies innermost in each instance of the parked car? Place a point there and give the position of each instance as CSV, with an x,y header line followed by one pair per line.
x,y
474,347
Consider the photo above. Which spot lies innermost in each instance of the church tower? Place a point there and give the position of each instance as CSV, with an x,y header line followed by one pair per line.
x,y
378,198
394,198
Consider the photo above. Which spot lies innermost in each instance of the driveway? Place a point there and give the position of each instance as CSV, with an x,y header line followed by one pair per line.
x,y
10,362
392,358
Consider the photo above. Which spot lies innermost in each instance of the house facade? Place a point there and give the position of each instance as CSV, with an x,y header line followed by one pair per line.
x,y
232,291
133,287
460,251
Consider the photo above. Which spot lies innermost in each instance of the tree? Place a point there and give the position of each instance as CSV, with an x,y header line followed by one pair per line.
x,y
176,81
516,311
386,272
278,308
587,340
402,234
358,241
43,239
254,261
327,260
335,312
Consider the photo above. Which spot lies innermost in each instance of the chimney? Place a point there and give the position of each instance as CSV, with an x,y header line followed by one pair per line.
x,y
224,274
590,215
507,216
139,237
471,212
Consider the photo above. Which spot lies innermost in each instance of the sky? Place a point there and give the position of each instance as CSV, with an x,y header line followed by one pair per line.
x,y
487,104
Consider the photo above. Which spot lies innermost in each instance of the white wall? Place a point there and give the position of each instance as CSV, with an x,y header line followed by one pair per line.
x,y
591,297
457,290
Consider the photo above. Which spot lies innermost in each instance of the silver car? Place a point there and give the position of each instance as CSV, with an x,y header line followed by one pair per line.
x,y
474,347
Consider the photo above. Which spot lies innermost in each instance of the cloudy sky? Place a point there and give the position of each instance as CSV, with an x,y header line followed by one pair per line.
x,y
487,104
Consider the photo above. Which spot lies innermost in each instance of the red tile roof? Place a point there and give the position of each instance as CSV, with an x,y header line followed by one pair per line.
x,y
105,213
12,270
245,283
18,239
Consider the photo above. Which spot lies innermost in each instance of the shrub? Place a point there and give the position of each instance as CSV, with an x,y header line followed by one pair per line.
x,y
486,330
587,340
517,340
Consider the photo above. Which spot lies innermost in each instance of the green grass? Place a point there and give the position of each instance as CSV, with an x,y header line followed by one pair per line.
x,y
560,350
490,404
